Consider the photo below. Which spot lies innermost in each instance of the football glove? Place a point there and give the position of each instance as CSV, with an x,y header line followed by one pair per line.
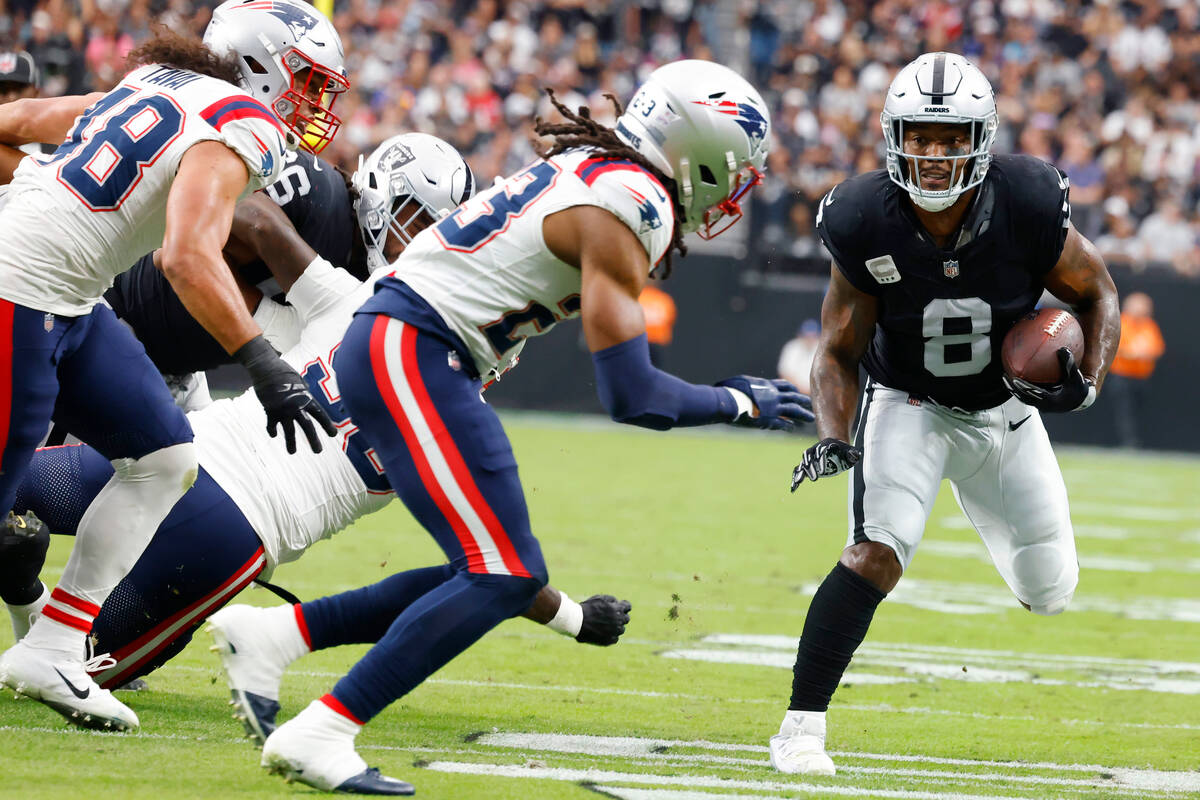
x,y
23,544
604,620
1075,393
780,404
284,395
826,457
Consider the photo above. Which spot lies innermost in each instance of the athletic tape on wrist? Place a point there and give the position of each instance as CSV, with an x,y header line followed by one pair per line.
x,y
569,618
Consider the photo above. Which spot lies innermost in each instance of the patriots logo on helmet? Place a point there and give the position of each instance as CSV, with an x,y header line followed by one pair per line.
x,y
745,115
298,20
649,218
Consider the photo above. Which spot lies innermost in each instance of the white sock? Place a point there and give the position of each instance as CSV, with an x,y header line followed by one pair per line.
x,y
289,641
24,616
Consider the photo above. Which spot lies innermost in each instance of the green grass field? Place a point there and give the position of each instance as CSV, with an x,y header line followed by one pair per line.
x,y
958,692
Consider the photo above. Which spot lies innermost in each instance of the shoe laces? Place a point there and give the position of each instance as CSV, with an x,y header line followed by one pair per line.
x,y
95,662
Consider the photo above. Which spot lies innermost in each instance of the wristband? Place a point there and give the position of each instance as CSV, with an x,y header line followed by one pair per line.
x,y
569,618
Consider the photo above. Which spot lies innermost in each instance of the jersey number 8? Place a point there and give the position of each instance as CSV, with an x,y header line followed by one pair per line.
x,y
957,335
103,167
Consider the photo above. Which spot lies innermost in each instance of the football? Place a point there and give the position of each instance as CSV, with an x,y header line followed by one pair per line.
x,y
1030,349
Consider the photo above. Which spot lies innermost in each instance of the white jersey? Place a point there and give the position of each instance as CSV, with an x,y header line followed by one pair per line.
x,y
293,501
78,217
486,269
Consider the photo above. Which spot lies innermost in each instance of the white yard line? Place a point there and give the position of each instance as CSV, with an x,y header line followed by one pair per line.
x,y
597,776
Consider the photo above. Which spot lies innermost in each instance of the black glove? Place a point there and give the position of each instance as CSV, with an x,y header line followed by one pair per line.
x,y
779,403
23,544
826,457
1073,394
604,620
283,393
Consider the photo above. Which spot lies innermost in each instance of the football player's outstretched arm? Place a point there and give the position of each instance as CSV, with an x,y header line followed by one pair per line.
x,y
200,210
599,620
848,319
614,268
1081,279
42,119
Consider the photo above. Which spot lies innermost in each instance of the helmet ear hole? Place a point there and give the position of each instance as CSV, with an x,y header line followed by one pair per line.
x,y
255,66
706,176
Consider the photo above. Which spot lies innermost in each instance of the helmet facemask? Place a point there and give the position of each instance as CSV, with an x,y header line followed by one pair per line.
x,y
967,170
377,220
722,216
306,106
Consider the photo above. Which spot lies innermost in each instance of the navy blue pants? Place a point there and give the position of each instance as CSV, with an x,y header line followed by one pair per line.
x,y
202,555
448,458
90,375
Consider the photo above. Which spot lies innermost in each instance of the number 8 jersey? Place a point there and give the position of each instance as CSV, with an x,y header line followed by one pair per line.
x,y
486,270
83,214
944,311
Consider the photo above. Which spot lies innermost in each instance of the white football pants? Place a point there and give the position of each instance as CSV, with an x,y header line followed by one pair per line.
x,y
1004,475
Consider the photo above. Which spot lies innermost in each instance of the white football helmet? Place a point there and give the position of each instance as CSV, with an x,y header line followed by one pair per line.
x,y
940,88
706,127
401,177
290,57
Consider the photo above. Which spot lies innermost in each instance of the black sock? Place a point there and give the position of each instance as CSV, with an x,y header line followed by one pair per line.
x,y
836,624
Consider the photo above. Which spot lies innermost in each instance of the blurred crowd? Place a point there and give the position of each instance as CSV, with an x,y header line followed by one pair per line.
x,y
1107,90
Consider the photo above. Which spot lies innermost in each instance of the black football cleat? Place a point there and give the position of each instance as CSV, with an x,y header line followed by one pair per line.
x,y
372,781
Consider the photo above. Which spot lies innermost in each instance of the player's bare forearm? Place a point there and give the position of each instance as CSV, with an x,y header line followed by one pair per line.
x,y
42,119
848,319
200,211
262,230
544,606
1081,279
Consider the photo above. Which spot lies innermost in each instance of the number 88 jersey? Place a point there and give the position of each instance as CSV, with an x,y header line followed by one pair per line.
x,y
80,216
486,270
944,311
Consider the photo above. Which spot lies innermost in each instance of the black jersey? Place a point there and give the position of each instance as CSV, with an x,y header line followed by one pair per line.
x,y
311,193
944,311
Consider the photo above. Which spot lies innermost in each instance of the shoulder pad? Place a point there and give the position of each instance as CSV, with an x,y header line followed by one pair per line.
x,y
636,197
252,131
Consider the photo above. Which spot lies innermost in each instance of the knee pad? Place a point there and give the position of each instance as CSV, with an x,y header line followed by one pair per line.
x,y
1046,579
176,464
1054,607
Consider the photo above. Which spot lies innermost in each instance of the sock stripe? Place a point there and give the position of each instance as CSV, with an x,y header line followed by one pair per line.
x,y
79,604
51,612
337,706
303,626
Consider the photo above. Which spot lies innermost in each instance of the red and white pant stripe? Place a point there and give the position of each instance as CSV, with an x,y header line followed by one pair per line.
x,y
441,467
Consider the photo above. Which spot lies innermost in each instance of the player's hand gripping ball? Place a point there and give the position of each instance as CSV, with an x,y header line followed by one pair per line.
x,y
1041,356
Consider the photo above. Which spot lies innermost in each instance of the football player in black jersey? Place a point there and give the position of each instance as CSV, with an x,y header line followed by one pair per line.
x,y
935,257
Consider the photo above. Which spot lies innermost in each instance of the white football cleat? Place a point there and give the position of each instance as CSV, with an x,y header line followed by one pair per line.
x,y
799,747
60,680
255,645
316,748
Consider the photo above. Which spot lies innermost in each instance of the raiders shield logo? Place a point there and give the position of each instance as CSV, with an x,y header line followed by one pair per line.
x,y
950,269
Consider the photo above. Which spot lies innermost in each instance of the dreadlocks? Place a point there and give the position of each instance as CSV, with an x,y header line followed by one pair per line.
x,y
580,130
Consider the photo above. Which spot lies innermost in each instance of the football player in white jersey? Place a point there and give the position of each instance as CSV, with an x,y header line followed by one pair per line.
x,y
576,233
254,506
160,160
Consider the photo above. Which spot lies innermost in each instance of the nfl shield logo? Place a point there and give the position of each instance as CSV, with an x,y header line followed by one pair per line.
x,y
950,269
48,322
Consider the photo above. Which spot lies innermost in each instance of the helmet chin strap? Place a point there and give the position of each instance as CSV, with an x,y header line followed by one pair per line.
x,y
933,204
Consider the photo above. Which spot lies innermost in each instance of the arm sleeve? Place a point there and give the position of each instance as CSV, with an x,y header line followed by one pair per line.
x,y
320,287
635,392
